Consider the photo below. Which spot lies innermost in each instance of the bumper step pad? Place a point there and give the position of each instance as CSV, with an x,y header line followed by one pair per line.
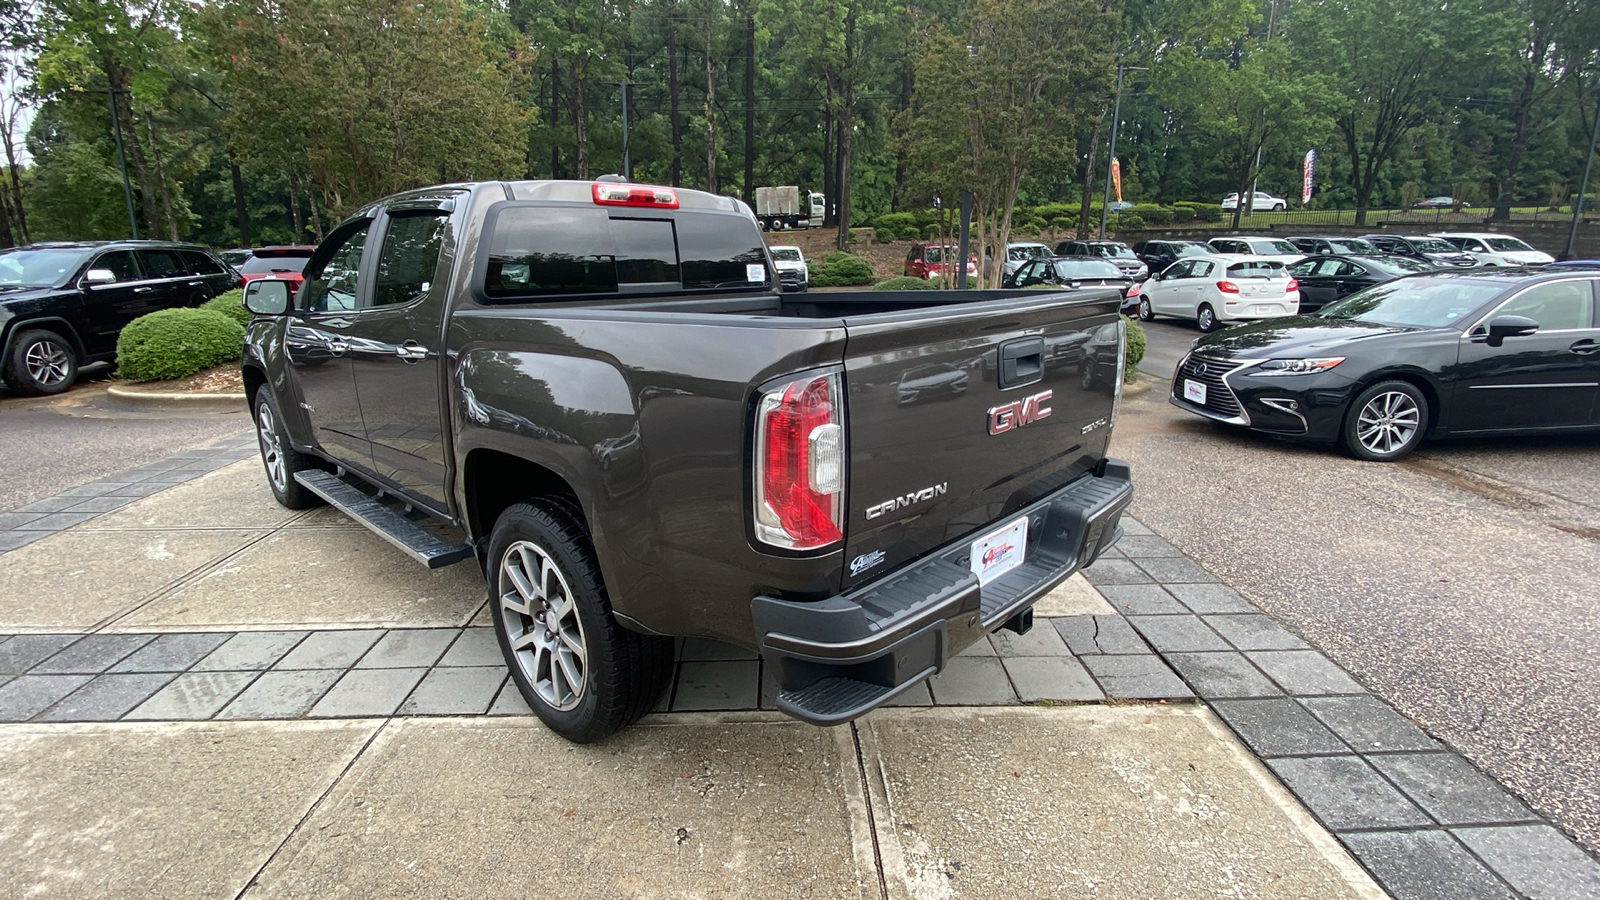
x,y
415,541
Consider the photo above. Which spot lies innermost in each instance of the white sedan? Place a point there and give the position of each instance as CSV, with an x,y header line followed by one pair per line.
x,y
1261,202
1215,290
1491,249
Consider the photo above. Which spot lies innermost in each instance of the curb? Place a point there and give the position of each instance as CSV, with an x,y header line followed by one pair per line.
x,y
157,398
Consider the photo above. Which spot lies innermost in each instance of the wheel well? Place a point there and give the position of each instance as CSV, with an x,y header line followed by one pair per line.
x,y
254,380
1416,381
495,480
59,326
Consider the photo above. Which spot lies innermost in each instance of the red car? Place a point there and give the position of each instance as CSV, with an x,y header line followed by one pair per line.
x,y
285,262
927,261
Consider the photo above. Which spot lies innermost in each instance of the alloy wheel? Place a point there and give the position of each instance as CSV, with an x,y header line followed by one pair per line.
x,y
47,363
541,621
1388,422
271,447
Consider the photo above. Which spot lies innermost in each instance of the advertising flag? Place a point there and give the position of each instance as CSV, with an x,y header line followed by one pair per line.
x,y
1306,181
1116,177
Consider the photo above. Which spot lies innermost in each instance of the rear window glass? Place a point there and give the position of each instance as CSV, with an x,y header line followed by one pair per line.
x,y
722,252
1353,245
1086,268
1253,269
264,264
1274,247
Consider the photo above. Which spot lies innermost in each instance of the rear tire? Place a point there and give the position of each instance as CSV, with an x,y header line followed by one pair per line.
x,y
1147,313
580,671
1385,422
40,363
1279,207
1206,318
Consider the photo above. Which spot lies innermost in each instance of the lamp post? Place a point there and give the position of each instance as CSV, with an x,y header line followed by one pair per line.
x,y
627,167
122,159
1116,113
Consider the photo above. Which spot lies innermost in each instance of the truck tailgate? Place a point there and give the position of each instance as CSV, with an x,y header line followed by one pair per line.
x,y
961,414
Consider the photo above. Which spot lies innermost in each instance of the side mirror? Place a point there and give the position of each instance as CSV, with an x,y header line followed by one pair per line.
x,y
96,277
1502,327
267,297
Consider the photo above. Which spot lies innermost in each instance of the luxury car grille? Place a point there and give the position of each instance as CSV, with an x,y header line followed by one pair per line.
x,y
1219,398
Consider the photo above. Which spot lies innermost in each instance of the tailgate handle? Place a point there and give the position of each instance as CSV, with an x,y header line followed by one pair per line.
x,y
1021,362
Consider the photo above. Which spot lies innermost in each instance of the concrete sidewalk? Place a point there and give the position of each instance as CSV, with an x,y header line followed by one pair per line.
x,y
329,677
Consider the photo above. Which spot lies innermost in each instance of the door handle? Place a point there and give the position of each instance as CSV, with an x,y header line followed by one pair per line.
x,y
1585,347
411,351
338,348
197,284
143,290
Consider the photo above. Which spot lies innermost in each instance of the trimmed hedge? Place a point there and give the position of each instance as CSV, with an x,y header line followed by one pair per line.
x,y
1133,353
906,283
173,343
1127,221
1152,214
841,269
230,304
1205,212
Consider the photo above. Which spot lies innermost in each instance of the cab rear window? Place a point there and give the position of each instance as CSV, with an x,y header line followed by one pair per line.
x,y
549,251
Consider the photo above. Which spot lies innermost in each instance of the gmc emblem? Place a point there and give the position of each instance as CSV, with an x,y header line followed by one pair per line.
x,y
1018,413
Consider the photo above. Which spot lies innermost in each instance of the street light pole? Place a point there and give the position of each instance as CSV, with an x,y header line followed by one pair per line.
x,y
1583,188
122,159
627,166
1116,114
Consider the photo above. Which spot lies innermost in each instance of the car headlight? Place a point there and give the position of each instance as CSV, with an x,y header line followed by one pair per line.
x,y
1297,366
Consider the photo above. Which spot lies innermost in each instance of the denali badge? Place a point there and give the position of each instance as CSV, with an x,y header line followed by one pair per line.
x,y
901,502
1018,413
1093,425
865,561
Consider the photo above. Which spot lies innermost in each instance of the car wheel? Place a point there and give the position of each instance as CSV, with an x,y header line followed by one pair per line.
x,y
280,459
1279,207
1385,422
582,673
1206,318
41,362
1146,311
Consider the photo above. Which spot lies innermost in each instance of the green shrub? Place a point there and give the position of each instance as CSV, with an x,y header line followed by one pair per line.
x,y
1127,221
1205,212
840,269
906,283
1182,214
173,343
896,226
1152,214
1133,352
230,304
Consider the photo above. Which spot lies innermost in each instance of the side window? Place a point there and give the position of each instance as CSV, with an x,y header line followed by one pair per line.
x,y
1350,270
1477,246
1559,305
333,283
1201,269
121,264
162,264
1026,274
409,258
1303,269
1177,270
911,255
1327,268
200,263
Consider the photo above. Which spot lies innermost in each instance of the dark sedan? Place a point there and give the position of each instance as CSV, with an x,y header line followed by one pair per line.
x,y
1443,354
1115,252
1324,279
1073,273
1432,250
1157,255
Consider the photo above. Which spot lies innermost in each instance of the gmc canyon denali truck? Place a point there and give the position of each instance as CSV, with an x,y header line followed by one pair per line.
x,y
598,391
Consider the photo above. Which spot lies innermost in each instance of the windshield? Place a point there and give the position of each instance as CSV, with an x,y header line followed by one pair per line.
x,y
1433,245
1253,269
1190,249
788,254
933,255
1026,251
1274,247
1397,265
40,268
260,265
1111,251
1353,245
1086,268
1414,302
1508,244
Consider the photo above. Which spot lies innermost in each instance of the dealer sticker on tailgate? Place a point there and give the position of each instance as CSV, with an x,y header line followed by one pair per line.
x,y
998,552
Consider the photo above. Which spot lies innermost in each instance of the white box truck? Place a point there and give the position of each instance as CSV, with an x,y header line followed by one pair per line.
x,y
789,207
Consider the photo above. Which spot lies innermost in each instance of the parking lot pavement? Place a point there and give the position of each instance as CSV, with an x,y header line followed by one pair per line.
x,y
330,623
1131,802
1459,586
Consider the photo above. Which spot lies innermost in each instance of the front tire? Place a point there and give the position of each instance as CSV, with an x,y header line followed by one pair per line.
x,y
581,672
1206,318
1385,422
41,362
1147,312
280,458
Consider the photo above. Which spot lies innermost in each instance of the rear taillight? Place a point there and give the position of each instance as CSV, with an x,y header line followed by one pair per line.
x,y
1134,291
799,464
1227,287
1292,286
616,194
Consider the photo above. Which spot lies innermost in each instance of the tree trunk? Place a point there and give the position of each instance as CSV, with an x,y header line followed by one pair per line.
x,y
580,126
673,87
7,237
555,115
829,188
1085,208
161,179
240,211
711,114
896,198
749,108
294,209
135,150
20,216
1519,145
316,217
847,91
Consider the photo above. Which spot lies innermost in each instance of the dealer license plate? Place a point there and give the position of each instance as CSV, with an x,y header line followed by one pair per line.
x,y
998,552
1194,391
1262,309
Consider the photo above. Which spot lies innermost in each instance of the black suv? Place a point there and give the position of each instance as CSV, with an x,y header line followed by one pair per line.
x,y
62,305
1432,250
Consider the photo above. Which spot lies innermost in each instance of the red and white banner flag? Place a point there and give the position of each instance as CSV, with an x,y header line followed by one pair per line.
x,y
1306,180
1116,177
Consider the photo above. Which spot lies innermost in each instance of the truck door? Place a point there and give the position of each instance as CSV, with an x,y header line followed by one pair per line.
x,y
398,362
318,346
